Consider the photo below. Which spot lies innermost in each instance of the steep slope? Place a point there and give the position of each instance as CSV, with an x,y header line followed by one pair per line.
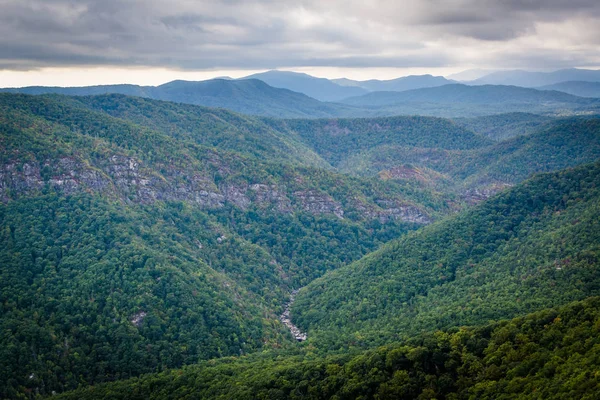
x,y
94,290
576,88
564,143
127,249
534,246
552,354
465,101
52,144
535,79
318,88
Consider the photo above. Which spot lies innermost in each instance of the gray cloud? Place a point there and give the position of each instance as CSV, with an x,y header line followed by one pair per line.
x,y
260,34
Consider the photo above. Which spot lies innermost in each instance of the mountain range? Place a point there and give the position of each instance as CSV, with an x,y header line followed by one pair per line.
x,y
249,96
171,241
576,88
536,79
252,96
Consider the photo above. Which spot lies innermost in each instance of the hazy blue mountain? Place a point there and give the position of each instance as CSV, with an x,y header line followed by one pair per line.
x,y
463,101
249,96
346,82
576,88
318,88
535,79
470,74
130,90
398,84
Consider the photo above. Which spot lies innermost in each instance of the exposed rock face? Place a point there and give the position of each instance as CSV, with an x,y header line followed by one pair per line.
x,y
480,193
316,202
67,174
390,210
286,320
138,318
266,195
128,178
196,189
236,194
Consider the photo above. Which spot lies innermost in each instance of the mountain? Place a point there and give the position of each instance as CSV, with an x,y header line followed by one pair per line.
x,y
338,139
480,171
470,101
469,75
565,143
576,88
551,354
205,126
131,247
254,97
249,96
535,79
319,88
140,235
339,89
532,247
398,84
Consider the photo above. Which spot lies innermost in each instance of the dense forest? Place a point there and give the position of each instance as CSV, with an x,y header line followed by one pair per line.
x,y
551,354
140,236
534,246
103,221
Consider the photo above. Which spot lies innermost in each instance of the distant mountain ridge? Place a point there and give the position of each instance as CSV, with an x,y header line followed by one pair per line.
x,y
399,84
249,96
319,88
424,95
576,88
459,100
536,79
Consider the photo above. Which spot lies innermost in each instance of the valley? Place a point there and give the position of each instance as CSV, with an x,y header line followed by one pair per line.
x,y
282,246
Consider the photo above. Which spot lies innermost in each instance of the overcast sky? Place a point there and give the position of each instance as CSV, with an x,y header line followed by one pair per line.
x,y
78,42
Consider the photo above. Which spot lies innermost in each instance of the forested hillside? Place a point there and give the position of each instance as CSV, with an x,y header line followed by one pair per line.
x,y
471,101
129,248
141,235
534,246
191,225
551,354
338,139
477,173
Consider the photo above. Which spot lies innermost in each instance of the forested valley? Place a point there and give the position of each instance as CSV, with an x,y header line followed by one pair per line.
x,y
148,249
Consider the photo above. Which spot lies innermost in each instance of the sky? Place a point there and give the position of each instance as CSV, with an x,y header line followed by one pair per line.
x,y
84,42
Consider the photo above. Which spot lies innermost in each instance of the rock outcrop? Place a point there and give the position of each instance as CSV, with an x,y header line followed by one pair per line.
x,y
316,202
285,319
130,179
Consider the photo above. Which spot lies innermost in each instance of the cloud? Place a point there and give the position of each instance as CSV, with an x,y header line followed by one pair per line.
x,y
257,34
